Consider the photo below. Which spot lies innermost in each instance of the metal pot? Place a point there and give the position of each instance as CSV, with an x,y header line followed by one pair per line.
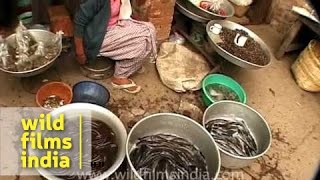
x,y
226,5
181,6
104,115
256,123
39,35
102,68
179,125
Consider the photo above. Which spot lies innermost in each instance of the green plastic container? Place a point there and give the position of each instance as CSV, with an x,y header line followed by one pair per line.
x,y
225,81
26,18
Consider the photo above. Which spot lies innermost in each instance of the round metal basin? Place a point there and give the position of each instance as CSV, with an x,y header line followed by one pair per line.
x,y
256,123
181,6
169,123
39,35
71,113
226,5
102,68
214,39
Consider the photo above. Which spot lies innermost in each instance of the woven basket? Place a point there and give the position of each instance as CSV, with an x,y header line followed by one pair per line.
x,y
306,69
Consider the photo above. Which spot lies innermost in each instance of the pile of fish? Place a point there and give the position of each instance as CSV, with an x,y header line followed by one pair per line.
x,y
233,135
52,102
28,54
103,147
168,157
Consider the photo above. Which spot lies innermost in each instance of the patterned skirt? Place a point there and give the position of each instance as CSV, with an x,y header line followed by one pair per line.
x,y
129,43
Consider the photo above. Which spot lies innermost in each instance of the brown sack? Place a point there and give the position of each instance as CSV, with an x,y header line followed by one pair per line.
x,y
181,69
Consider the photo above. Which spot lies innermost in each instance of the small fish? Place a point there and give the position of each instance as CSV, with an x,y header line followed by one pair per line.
x,y
164,154
217,96
233,135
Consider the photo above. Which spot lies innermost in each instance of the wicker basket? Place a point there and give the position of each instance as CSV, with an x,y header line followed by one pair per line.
x,y
306,69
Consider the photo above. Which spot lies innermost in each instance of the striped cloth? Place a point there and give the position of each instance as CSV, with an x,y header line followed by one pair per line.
x,y
128,43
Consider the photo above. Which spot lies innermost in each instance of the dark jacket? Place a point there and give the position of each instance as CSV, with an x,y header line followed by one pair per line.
x,y
8,16
91,23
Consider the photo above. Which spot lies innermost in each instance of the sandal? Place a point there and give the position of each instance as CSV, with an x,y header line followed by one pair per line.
x,y
125,87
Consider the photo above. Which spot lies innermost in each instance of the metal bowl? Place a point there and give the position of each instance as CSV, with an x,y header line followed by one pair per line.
x,y
214,39
256,123
181,6
39,35
71,111
226,5
179,125
102,68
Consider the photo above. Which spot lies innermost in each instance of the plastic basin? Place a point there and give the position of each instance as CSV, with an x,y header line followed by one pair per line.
x,y
90,92
60,89
225,81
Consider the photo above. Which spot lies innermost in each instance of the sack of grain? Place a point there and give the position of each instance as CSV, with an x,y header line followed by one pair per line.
x,y
306,69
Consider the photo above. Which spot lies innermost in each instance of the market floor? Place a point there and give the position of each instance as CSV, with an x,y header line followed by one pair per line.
x,y
293,114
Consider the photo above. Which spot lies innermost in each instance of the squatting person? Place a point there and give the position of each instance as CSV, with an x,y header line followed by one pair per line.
x,y
105,28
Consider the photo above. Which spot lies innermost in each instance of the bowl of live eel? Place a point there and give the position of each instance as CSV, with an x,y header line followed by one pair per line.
x,y
242,134
174,146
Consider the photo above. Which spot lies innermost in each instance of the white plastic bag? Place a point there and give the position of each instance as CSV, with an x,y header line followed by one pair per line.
x,y
24,40
24,63
241,2
4,54
216,5
195,2
58,38
181,69
40,51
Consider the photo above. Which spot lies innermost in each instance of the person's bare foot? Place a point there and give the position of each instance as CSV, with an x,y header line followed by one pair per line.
x,y
124,81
